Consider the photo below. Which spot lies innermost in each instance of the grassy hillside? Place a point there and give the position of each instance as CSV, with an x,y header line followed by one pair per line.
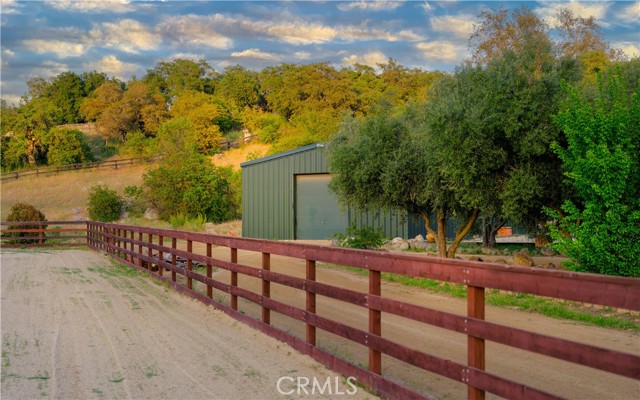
x,y
64,196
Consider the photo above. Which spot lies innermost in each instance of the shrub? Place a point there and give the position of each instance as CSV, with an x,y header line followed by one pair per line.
x,y
366,237
134,201
24,212
104,204
67,146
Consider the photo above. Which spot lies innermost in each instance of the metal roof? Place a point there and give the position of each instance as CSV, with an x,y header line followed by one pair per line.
x,y
280,155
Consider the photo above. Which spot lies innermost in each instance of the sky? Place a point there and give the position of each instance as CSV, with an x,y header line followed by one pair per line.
x,y
126,38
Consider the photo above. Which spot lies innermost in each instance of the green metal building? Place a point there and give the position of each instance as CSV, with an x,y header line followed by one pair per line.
x,y
286,196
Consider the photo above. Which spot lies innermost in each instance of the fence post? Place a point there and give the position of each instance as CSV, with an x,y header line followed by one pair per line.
x,y
209,272
160,255
140,263
189,264
475,346
266,287
375,325
311,301
234,279
149,250
174,243
40,235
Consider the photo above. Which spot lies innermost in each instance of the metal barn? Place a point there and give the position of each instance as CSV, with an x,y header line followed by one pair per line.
x,y
286,196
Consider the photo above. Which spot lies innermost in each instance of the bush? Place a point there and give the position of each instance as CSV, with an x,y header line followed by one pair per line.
x,y
193,188
104,204
134,201
67,146
24,212
366,237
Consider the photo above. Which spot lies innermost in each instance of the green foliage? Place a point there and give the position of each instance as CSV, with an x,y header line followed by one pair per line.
x,y
24,213
104,205
366,237
188,182
138,144
600,230
134,201
178,220
67,146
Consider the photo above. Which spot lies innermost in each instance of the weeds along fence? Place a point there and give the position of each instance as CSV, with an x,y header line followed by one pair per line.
x,y
185,261
43,233
176,253
41,171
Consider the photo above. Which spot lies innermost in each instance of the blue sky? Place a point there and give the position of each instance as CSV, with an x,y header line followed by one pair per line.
x,y
124,38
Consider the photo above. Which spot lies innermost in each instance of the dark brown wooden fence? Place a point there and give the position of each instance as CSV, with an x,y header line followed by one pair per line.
x,y
147,248
43,233
41,171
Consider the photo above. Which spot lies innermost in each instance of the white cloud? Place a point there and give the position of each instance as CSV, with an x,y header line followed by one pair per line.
x,y
370,5
60,48
302,55
371,59
441,50
89,6
47,69
598,10
630,14
427,7
254,54
10,7
460,25
112,66
301,33
185,56
8,53
363,32
126,35
194,29
632,49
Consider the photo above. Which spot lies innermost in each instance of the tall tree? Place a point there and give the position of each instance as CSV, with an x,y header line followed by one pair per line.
x,y
174,77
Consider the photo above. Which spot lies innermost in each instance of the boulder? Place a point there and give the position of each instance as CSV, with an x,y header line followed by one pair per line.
x,y
549,265
419,244
475,258
500,261
419,238
524,251
522,259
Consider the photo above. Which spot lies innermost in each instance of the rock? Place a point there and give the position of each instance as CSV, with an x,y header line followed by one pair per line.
x,y
500,261
151,213
397,240
431,238
522,259
475,258
506,252
524,251
419,244
548,252
404,245
549,265
419,238
335,242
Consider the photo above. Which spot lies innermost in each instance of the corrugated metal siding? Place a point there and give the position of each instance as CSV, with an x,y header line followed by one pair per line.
x,y
268,196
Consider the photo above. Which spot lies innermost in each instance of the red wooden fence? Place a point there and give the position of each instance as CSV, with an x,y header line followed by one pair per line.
x,y
120,242
145,248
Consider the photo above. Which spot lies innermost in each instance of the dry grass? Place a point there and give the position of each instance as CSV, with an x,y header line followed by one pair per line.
x,y
235,157
64,196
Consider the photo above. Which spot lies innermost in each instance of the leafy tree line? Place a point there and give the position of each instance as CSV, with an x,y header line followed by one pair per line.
x,y
286,105
492,141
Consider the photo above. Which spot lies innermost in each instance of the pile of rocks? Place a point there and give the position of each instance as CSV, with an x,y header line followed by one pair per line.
x,y
418,243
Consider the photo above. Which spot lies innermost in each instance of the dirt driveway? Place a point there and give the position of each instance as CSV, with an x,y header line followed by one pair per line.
x,y
76,326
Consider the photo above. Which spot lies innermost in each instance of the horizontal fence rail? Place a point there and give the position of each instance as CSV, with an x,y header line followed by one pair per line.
x,y
43,233
161,251
41,171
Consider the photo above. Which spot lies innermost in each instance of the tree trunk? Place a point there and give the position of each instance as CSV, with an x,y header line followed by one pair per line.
x,y
441,239
489,230
462,232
